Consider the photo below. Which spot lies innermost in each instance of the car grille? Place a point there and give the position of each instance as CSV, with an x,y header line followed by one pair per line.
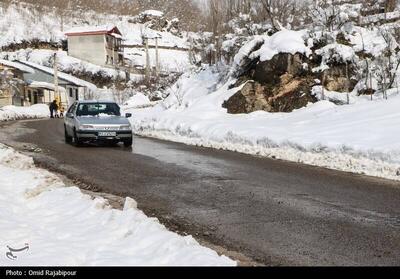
x,y
107,128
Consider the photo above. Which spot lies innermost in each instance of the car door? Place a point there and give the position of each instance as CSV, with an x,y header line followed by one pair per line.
x,y
69,122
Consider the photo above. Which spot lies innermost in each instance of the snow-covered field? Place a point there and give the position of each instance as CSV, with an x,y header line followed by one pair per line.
x,y
63,227
9,113
363,137
170,60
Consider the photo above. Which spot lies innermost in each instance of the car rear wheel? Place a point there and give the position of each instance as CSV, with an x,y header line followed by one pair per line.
x,y
68,139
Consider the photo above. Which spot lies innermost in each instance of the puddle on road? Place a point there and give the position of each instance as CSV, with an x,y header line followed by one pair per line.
x,y
166,152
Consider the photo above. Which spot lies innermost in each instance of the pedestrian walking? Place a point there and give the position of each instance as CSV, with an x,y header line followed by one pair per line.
x,y
53,109
61,111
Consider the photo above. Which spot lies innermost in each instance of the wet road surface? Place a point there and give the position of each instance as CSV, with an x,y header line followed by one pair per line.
x,y
274,212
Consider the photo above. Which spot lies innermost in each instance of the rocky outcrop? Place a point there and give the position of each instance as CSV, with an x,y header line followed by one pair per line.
x,y
289,94
281,84
252,97
270,72
156,20
336,78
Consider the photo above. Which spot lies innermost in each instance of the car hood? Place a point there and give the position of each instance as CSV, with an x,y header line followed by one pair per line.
x,y
108,120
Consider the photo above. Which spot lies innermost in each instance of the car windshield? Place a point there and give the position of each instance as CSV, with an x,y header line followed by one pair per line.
x,y
98,109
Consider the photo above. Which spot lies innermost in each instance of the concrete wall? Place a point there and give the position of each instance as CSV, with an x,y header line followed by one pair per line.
x,y
88,48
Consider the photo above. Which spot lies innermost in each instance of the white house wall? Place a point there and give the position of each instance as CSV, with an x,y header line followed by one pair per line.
x,y
88,48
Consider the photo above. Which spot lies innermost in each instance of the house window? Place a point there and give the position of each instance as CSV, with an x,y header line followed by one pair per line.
x,y
112,60
76,94
71,93
107,58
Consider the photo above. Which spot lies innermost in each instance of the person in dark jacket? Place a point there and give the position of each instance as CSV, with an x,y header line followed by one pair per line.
x,y
53,108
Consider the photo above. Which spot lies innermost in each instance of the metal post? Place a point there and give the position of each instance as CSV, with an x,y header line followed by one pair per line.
x,y
147,60
323,84
157,57
56,91
370,85
347,83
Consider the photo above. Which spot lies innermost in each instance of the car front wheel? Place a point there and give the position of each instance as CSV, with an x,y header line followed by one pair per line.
x,y
128,143
76,140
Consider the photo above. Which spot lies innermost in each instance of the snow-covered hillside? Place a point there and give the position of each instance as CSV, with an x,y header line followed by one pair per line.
x,y
63,227
363,137
20,23
170,60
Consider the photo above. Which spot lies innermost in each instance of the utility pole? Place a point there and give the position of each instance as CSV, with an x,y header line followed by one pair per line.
x,y
147,60
191,60
157,57
347,83
323,88
56,91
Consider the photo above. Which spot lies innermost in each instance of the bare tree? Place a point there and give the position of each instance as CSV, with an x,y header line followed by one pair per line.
x,y
328,14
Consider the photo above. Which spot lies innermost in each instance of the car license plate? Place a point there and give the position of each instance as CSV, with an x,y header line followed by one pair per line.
x,y
107,134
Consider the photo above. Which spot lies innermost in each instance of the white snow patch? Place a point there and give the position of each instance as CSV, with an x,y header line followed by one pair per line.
x,y
137,100
154,13
285,41
17,66
64,227
8,113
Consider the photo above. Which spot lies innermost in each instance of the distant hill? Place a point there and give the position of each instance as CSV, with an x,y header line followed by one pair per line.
x,y
186,10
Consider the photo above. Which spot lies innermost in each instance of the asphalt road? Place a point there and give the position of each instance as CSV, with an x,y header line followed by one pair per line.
x,y
275,212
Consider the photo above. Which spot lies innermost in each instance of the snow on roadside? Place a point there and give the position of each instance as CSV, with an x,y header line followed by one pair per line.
x,y
64,227
9,113
139,100
363,137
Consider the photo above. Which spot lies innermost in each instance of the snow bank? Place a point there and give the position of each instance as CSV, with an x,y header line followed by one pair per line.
x,y
285,41
64,227
9,113
154,13
363,137
169,60
138,100
370,41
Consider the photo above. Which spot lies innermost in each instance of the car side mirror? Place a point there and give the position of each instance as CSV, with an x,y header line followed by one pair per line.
x,y
70,115
128,115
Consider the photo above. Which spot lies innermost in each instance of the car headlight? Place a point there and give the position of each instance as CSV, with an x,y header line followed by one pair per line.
x,y
125,127
86,127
